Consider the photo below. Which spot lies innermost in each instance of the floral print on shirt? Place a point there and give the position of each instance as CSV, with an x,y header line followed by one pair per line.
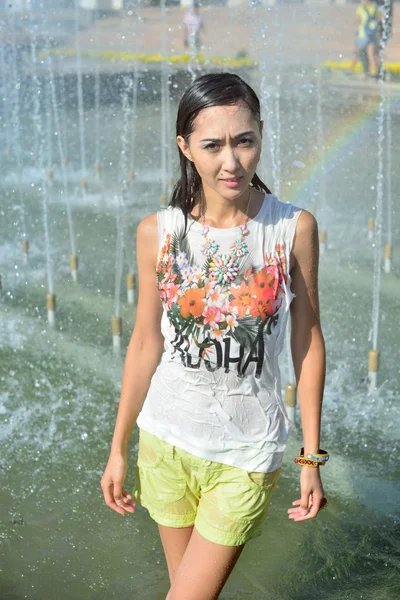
x,y
205,311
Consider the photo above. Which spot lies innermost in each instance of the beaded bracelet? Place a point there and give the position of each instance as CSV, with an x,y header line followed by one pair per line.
x,y
306,462
321,456
312,460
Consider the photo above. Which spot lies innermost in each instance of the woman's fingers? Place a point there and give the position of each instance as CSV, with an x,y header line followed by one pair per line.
x,y
324,503
128,497
126,501
111,503
107,492
117,498
299,514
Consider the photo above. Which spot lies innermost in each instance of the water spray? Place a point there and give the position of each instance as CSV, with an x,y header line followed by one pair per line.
x,y
15,121
97,167
49,135
164,101
121,220
373,362
60,144
388,246
37,120
81,113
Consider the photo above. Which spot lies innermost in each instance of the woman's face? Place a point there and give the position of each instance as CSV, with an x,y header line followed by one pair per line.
x,y
225,145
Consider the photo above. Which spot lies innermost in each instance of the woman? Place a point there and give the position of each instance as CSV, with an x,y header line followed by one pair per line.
x,y
218,271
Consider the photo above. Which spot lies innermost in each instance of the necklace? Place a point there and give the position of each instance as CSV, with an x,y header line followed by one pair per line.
x,y
223,268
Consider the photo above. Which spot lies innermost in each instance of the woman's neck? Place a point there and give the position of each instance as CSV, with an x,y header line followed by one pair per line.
x,y
220,212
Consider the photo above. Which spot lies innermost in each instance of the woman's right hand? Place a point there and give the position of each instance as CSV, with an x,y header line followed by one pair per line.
x,y
115,496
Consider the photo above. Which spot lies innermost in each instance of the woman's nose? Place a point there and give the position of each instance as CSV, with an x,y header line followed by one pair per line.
x,y
230,160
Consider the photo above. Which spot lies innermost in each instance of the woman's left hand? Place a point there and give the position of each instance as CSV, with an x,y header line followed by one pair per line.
x,y
312,496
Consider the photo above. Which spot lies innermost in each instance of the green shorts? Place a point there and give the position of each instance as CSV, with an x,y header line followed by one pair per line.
x,y
226,504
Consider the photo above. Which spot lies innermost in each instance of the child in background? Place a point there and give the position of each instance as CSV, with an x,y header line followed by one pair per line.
x,y
193,23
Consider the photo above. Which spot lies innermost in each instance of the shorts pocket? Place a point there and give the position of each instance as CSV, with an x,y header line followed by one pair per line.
x,y
163,488
150,455
264,480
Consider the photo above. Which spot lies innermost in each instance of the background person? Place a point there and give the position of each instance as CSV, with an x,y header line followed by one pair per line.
x,y
367,18
193,23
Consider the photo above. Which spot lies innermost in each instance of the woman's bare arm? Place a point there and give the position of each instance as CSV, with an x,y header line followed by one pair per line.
x,y
146,344
307,342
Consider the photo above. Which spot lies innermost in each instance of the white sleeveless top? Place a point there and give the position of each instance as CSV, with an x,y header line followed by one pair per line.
x,y
217,390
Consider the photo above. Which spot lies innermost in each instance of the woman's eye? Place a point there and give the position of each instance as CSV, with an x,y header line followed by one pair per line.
x,y
246,141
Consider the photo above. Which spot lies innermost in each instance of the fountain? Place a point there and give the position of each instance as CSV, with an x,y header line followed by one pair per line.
x,y
14,145
62,154
388,245
81,112
60,384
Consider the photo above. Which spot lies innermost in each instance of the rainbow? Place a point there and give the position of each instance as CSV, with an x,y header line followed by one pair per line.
x,y
340,138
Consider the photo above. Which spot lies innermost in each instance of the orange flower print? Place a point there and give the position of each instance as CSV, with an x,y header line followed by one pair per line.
x,y
192,302
242,298
262,284
207,351
247,274
208,287
214,294
165,250
280,248
164,264
262,307
217,333
231,322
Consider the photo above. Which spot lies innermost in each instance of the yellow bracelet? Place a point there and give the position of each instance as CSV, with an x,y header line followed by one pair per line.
x,y
321,456
307,462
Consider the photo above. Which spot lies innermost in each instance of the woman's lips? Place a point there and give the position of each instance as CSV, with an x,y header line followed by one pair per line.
x,y
232,182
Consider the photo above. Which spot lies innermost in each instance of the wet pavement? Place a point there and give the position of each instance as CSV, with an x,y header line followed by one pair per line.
x,y
307,33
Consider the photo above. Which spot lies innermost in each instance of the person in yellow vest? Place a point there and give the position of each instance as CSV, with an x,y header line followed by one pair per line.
x,y
367,19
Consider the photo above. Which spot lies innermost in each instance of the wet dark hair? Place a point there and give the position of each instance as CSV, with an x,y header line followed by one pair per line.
x,y
212,89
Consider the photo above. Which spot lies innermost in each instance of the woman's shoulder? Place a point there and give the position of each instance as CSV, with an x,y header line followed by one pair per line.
x,y
306,224
169,217
148,224
147,233
279,210
156,225
306,234
152,220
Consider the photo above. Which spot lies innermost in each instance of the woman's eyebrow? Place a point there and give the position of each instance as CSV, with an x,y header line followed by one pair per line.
x,y
220,140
